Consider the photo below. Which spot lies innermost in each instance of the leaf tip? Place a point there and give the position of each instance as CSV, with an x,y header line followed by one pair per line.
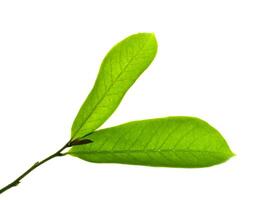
x,y
150,35
232,154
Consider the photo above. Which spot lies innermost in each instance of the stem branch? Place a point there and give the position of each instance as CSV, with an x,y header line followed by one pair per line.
x,y
35,165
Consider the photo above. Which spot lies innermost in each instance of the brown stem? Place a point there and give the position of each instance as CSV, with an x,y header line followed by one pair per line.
x,y
35,165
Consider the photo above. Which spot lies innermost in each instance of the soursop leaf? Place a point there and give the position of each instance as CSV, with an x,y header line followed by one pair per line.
x,y
168,142
123,64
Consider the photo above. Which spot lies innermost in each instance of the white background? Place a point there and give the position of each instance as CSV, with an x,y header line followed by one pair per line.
x,y
211,63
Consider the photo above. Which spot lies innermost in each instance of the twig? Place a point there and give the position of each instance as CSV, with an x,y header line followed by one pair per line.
x,y
35,165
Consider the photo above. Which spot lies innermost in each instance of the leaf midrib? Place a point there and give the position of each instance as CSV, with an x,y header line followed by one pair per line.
x,y
147,151
109,88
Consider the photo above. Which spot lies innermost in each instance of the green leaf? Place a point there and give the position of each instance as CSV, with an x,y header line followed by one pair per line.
x,y
169,142
124,63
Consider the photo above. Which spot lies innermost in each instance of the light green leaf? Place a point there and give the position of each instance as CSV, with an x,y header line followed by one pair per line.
x,y
124,63
170,142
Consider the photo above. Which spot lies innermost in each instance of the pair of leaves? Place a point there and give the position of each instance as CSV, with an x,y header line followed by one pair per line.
x,y
171,142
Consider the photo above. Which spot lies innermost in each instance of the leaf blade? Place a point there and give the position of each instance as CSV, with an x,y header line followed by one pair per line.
x,y
121,67
168,142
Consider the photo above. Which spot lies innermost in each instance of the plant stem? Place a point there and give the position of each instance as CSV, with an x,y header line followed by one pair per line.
x,y
37,164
